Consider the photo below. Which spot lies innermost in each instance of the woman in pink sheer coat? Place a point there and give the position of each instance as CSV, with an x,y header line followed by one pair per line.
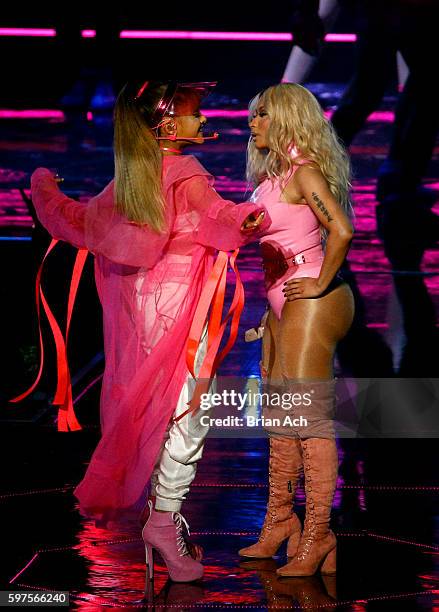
x,y
154,231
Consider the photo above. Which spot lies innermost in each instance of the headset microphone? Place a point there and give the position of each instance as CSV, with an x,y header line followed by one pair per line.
x,y
173,138
213,136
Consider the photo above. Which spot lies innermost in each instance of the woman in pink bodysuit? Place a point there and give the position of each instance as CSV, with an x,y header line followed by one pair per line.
x,y
301,174
154,231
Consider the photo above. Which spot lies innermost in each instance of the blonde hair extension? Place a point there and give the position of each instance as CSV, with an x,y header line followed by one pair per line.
x,y
138,167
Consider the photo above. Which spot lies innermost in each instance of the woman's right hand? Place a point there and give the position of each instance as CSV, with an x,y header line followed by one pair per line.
x,y
252,222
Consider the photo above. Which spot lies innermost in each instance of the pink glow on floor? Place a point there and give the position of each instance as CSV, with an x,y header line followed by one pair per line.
x,y
88,33
48,32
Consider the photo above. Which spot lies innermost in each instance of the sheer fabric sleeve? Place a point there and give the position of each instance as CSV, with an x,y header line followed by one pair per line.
x,y
220,220
62,217
95,226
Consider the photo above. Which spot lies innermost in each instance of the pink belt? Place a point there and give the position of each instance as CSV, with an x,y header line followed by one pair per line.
x,y
276,264
312,254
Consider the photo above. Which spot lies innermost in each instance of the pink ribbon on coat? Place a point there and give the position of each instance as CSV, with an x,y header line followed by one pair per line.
x,y
67,420
212,298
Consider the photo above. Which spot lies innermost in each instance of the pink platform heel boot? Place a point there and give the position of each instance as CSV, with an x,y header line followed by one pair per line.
x,y
163,532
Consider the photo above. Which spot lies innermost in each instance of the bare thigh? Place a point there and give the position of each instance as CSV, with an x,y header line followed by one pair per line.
x,y
308,331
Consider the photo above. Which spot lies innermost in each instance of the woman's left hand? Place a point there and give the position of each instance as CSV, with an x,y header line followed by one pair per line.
x,y
305,287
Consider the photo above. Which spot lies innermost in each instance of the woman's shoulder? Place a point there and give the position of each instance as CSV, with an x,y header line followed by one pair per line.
x,y
183,167
105,198
304,168
267,190
181,163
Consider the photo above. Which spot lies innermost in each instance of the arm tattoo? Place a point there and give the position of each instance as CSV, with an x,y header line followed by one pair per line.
x,y
321,206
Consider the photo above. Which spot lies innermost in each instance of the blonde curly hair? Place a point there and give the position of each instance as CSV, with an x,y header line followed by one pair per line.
x,y
296,119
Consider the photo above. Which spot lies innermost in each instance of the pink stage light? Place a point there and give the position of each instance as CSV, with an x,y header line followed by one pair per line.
x,y
229,114
340,38
187,35
382,116
376,116
254,36
379,116
181,35
31,114
47,32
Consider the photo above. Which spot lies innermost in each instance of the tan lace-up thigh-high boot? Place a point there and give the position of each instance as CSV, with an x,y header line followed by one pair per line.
x,y
317,547
280,521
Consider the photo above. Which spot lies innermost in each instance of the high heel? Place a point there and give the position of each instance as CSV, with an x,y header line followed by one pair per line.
x,y
280,522
195,550
329,565
163,532
148,597
293,543
149,555
317,547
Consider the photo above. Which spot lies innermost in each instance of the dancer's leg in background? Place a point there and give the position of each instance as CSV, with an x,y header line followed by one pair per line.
x,y
375,67
416,122
318,18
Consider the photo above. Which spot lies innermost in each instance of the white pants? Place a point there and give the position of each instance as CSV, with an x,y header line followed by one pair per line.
x,y
182,448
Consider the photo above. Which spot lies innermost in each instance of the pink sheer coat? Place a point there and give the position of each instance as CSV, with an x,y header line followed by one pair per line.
x,y
148,285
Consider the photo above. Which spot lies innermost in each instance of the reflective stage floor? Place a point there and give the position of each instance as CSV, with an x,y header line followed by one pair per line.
x,y
386,511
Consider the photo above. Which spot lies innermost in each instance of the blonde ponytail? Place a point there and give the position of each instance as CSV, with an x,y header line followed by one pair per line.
x,y
138,167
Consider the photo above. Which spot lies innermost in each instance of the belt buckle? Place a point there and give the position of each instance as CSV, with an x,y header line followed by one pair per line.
x,y
299,259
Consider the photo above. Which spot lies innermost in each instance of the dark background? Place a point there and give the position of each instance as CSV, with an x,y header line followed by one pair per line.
x,y
38,70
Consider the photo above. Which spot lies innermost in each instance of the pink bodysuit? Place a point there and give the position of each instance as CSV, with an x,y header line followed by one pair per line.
x,y
292,245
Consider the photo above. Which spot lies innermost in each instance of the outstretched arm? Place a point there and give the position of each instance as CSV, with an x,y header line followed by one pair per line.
x,y
223,224
62,217
95,225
